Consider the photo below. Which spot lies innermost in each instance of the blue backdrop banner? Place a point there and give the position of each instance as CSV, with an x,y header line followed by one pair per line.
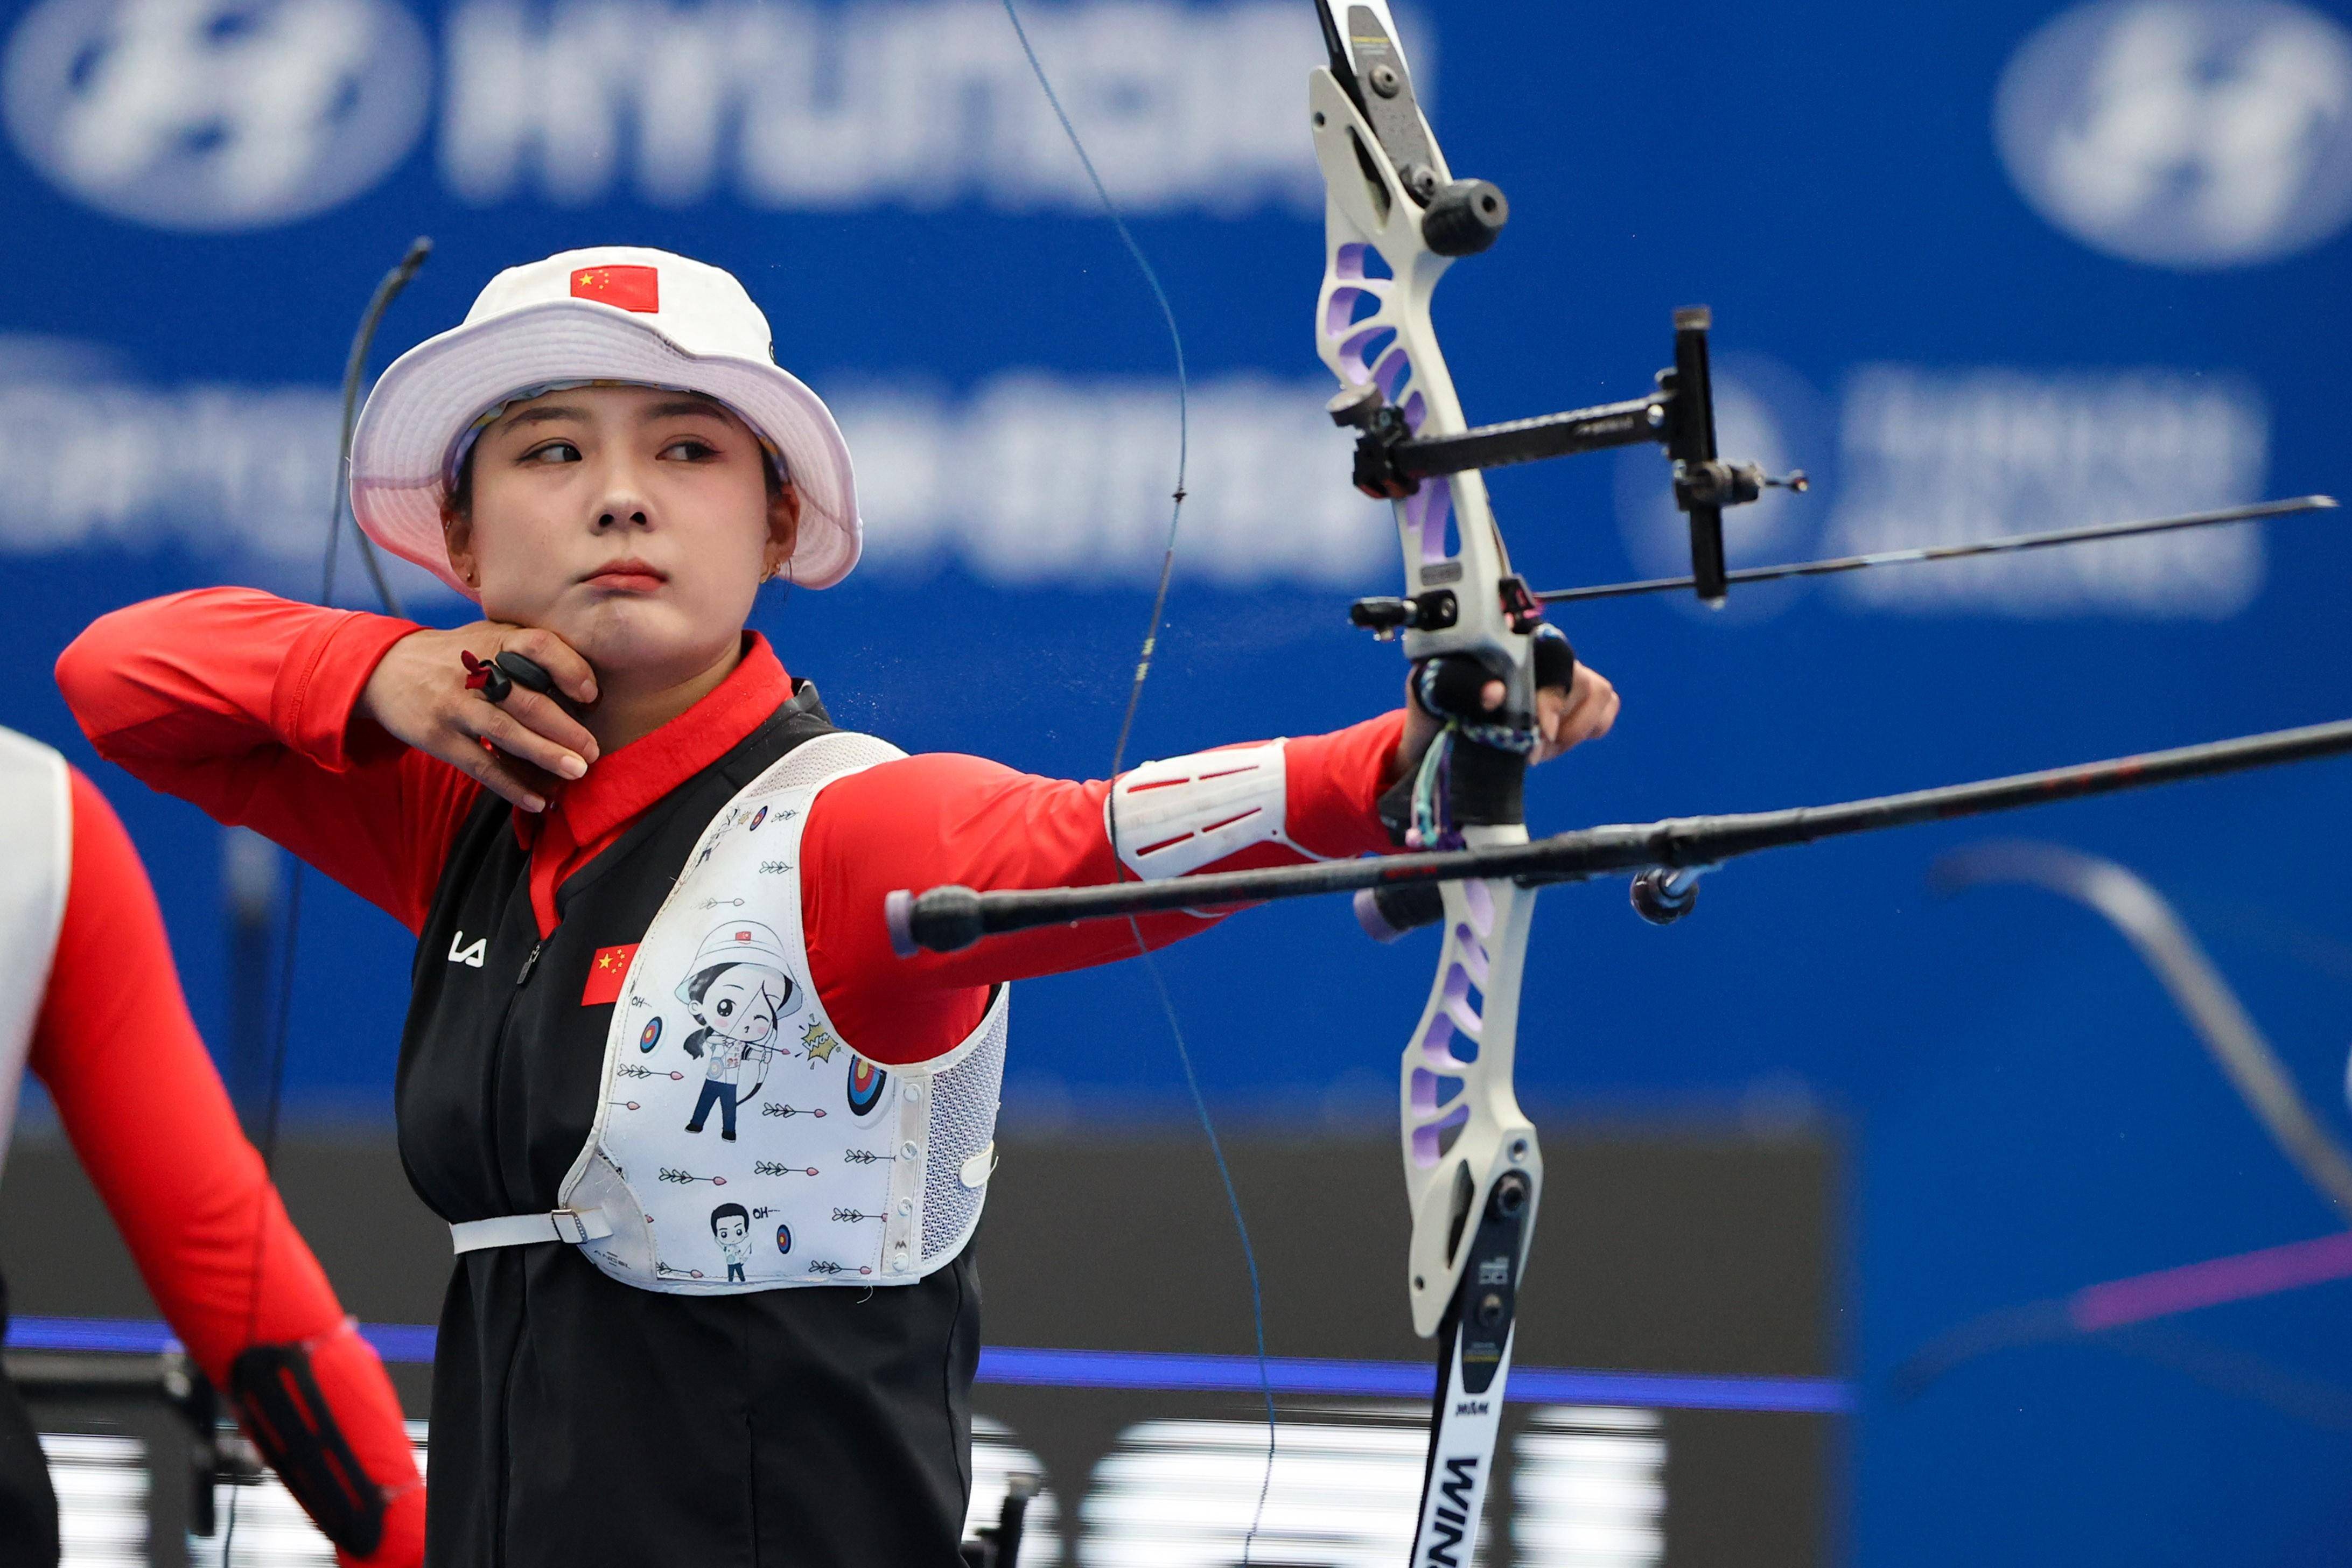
x,y
1978,269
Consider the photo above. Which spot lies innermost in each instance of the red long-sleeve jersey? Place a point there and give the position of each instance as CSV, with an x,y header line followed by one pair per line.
x,y
147,1114
247,705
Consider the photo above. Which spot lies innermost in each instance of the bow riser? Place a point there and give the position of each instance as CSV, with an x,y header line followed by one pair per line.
x,y
1462,1125
1447,529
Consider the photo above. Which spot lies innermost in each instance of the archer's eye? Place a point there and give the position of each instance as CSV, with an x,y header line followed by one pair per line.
x,y
727,1009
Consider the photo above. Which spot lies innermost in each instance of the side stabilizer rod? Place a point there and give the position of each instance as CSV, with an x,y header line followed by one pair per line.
x,y
949,918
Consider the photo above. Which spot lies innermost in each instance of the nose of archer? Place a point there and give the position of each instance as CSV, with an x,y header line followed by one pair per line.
x,y
625,512
622,505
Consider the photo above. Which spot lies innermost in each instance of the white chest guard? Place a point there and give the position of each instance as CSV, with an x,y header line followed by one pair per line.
x,y
839,1171
35,868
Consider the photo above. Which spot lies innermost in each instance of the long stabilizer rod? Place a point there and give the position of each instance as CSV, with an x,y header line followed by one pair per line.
x,y
949,919
2004,545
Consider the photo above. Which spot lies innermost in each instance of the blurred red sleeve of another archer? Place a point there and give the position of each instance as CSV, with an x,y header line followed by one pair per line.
x,y
147,1116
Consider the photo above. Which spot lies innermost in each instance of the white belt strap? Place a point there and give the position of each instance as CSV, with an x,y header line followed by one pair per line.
x,y
522,1229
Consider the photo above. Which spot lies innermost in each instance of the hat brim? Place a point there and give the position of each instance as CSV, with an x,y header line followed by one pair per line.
x,y
433,393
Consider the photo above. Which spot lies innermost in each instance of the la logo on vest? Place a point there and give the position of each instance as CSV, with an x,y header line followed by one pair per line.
x,y
470,953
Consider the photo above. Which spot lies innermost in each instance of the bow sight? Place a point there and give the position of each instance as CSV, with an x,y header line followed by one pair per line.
x,y
1391,460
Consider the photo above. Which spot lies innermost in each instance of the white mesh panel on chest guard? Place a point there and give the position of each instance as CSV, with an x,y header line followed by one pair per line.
x,y
1170,818
840,1172
37,848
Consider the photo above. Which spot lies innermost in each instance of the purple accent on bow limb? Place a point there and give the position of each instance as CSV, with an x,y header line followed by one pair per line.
x,y
899,915
1429,1139
1458,985
1427,510
1473,956
1339,311
1437,1085
1349,264
2241,1278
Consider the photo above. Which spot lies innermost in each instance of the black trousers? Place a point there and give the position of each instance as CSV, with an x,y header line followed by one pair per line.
x,y
29,1504
581,1422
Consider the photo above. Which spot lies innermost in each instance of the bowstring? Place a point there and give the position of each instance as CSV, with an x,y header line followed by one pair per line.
x,y
1118,757
273,1095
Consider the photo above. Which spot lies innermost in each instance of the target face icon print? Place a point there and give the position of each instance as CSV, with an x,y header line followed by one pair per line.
x,y
867,1083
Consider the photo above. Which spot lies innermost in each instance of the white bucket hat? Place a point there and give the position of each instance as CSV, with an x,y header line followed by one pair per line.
x,y
613,312
745,941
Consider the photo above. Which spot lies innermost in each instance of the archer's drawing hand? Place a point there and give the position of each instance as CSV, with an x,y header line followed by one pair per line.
x,y
419,695
1566,716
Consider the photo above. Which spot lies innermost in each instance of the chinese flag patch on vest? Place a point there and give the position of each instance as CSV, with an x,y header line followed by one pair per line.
x,y
605,973
631,288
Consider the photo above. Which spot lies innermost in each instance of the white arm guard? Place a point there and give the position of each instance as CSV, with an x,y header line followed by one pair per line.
x,y
1170,818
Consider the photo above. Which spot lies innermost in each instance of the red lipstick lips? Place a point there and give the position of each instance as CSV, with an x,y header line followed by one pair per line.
x,y
629,575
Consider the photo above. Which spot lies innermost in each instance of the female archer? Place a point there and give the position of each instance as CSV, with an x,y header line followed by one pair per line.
x,y
606,457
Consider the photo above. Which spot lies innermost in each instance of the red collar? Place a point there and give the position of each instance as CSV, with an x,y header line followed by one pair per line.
x,y
624,782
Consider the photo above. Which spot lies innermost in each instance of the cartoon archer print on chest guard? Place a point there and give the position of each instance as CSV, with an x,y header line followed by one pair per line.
x,y
731,1227
737,990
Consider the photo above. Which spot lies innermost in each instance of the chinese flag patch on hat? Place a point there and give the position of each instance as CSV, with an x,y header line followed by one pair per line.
x,y
630,287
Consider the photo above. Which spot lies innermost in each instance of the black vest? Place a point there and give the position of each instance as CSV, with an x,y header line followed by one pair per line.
x,y
580,1421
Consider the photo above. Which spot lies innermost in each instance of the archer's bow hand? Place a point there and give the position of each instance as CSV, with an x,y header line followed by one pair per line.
x,y
1566,717
1575,703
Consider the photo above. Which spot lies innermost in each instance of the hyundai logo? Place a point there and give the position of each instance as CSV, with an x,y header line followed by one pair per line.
x,y
215,114
2186,133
